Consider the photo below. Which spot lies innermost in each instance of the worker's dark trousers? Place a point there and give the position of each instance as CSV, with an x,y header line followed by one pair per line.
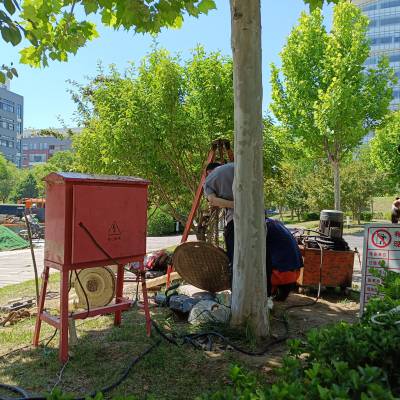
x,y
229,235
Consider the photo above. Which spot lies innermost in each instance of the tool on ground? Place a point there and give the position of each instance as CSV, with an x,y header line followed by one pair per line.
x,y
15,316
92,221
17,304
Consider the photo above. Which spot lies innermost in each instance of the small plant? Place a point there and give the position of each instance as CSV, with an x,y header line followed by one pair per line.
x,y
366,216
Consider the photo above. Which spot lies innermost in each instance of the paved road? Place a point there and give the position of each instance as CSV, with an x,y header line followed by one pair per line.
x,y
16,266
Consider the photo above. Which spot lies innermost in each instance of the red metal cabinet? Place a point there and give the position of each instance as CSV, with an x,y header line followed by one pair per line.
x,y
92,221
113,209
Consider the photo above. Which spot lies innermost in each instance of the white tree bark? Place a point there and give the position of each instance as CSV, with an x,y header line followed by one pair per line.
x,y
249,288
336,183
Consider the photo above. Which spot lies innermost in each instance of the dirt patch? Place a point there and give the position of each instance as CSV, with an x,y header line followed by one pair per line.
x,y
306,315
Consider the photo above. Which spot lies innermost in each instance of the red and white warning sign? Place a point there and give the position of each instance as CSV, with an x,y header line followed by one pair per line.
x,y
381,238
381,250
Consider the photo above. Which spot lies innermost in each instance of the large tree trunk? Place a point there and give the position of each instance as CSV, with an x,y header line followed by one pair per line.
x,y
249,288
336,183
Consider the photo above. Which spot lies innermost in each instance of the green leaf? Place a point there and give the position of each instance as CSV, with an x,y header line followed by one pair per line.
x,y
2,77
53,55
29,56
14,71
206,5
5,33
90,6
15,35
9,6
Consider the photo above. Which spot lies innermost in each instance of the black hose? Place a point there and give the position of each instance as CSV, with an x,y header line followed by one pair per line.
x,y
134,361
124,375
192,338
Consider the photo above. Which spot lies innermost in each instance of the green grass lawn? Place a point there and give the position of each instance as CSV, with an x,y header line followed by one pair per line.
x,y
103,352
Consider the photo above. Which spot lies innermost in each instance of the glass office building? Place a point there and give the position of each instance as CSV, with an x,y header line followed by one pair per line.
x,y
384,32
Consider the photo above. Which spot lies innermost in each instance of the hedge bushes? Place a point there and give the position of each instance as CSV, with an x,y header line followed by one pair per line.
x,y
310,216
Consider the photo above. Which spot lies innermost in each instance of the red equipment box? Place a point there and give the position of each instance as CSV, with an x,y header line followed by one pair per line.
x,y
113,209
92,221
337,268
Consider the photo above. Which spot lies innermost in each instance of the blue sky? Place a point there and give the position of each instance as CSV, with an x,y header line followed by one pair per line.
x,y
45,90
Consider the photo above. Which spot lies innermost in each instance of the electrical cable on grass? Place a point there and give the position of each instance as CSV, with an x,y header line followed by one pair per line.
x,y
191,338
51,338
59,376
14,389
106,389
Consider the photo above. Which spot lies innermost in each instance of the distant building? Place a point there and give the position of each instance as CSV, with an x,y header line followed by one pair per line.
x,y
38,149
11,124
384,32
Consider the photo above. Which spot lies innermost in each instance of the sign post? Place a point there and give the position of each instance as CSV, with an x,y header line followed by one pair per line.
x,y
381,250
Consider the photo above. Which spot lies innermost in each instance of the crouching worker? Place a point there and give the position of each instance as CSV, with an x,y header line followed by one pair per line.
x,y
284,259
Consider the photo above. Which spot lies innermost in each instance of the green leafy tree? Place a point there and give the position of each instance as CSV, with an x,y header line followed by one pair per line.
x,y
385,149
322,94
62,161
360,183
157,121
318,186
8,178
27,187
296,194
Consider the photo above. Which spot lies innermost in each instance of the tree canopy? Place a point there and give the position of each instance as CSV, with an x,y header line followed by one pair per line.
x,y
322,94
26,187
8,177
60,161
385,151
54,29
157,120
